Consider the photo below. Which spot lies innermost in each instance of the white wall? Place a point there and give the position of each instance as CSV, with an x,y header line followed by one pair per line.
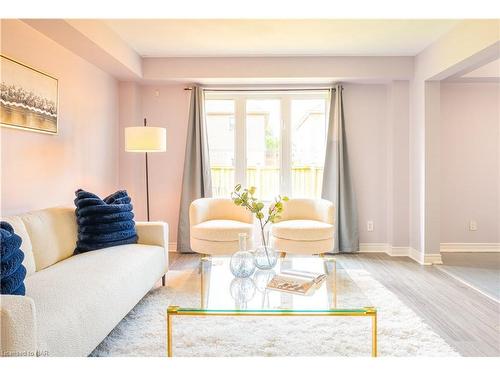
x,y
470,158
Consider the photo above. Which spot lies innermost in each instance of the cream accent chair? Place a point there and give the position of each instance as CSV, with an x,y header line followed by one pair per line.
x,y
305,227
215,224
72,302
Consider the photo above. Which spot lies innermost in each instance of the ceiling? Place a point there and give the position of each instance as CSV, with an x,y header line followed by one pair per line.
x,y
197,38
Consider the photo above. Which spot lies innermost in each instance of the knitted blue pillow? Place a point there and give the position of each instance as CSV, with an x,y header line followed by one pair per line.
x,y
12,271
104,222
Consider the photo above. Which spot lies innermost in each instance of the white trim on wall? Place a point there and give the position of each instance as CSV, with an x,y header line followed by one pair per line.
x,y
401,251
398,251
470,247
415,255
431,259
374,247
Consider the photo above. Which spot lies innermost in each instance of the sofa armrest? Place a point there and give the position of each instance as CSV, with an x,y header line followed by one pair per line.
x,y
17,326
152,233
204,209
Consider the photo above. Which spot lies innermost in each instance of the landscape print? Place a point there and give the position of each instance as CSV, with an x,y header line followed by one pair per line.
x,y
28,97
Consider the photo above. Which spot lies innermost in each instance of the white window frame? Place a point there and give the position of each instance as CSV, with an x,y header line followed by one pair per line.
x,y
285,149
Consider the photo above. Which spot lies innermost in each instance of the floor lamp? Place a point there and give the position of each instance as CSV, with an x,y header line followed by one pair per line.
x,y
146,139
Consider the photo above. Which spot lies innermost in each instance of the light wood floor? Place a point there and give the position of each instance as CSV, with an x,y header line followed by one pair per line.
x,y
467,320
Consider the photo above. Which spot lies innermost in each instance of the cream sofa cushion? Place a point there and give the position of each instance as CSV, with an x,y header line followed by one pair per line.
x,y
53,233
220,230
302,230
302,247
80,299
26,247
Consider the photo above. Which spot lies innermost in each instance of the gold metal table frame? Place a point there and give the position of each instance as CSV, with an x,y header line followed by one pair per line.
x,y
172,311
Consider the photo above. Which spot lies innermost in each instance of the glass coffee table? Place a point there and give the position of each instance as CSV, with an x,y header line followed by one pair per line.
x,y
221,294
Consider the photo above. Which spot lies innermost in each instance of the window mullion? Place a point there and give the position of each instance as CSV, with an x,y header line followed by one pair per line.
x,y
240,141
285,149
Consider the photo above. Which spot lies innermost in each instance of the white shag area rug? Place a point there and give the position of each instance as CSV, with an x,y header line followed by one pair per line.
x,y
143,331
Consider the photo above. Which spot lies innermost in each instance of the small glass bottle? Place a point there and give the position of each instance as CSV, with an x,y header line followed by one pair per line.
x,y
242,262
242,241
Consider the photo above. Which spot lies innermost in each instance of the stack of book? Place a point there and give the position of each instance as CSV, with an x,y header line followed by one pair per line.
x,y
296,282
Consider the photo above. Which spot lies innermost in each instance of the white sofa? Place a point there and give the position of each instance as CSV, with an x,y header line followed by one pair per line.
x,y
72,302
305,227
215,223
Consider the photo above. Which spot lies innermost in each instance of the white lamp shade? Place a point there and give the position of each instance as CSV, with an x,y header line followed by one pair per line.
x,y
145,139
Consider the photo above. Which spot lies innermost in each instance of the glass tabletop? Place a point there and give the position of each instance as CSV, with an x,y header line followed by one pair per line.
x,y
220,291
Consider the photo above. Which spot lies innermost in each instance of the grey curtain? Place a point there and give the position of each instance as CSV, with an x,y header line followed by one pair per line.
x,y
337,184
196,181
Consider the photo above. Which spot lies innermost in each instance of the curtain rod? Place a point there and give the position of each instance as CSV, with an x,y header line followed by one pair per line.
x,y
264,89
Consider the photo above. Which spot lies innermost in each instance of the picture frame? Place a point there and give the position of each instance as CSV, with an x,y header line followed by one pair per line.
x,y
29,98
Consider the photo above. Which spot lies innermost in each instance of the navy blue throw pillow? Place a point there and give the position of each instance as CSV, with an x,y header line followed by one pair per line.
x,y
104,222
12,271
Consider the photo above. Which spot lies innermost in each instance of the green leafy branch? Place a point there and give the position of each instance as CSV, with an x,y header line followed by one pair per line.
x,y
246,198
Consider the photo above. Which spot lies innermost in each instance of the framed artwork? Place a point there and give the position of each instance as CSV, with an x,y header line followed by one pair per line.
x,y
28,97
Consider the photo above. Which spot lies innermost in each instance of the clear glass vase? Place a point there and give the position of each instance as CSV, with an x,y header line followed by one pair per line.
x,y
242,262
242,291
265,256
261,279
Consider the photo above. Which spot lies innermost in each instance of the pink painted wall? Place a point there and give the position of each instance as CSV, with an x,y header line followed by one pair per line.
x,y
131,165
165,106
168,106
365,110
470,158
290,69
467,45
89,151
40,170
398,175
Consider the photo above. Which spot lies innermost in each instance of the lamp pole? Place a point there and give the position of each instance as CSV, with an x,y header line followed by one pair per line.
x,y
147,180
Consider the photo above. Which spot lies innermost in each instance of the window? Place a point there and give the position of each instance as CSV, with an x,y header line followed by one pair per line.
x,y
263,119
308,124
220,120
272,140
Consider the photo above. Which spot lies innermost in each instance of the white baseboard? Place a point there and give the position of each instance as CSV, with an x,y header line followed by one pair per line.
x,y
484,247
424,259
373,247
401,251
430,259
415,255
